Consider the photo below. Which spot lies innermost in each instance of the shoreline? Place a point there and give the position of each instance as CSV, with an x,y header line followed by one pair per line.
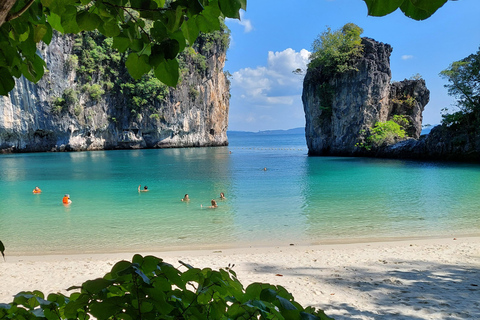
x,y
416,278
244,246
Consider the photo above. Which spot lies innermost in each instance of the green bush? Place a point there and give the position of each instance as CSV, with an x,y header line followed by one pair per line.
x,y
336,51
148,288
95,91
57,105
384,133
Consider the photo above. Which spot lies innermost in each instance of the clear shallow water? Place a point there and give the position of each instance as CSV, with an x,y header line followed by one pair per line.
x,y
299,199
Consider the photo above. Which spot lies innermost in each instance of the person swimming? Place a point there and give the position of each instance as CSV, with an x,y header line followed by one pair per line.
x,y
37,190
213,206
222,196
186,198
66,199
145,188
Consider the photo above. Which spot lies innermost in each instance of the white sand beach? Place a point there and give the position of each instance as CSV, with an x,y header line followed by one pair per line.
x,y
417,279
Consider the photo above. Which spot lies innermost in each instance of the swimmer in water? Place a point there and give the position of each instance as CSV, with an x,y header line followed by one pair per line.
x,y
186,198
222,196
66,199
213,206
145,188
37,190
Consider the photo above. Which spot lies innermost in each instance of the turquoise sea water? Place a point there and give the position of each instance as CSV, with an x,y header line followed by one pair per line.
x,y
298,199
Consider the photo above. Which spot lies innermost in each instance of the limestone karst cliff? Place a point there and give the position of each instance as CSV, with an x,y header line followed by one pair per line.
x,y
341,108
84,102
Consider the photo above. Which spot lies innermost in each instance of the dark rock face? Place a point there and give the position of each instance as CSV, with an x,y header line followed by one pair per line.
x,y
442,143
359,100
182,119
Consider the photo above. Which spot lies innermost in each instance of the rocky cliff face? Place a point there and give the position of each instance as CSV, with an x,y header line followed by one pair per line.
x,y
340,108
40,117
442,143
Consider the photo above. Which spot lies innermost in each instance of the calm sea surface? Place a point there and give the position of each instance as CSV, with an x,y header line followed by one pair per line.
x,y
298,199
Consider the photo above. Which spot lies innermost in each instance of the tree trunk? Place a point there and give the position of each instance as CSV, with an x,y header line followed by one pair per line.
x,y
5,7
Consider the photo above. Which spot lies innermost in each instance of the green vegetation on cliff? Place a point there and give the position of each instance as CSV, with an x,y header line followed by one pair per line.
x,y
336,51
384,133
102,71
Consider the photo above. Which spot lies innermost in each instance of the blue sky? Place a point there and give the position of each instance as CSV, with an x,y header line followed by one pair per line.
x,y
274,38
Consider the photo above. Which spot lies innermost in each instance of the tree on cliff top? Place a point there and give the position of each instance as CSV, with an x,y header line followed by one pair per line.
x,y
336,50
464,84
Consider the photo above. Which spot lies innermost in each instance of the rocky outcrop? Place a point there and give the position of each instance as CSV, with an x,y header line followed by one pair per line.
x,y
193,114
340,108
454,143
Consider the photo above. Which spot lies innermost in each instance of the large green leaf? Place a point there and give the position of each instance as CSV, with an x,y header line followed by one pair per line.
x,y
230,8
39,31
88,21
33,69
95,286
69,20
178,35
421,9
208,20
428,5
190,30
380,8
137,65
55,21
104,309
121,43
158,31
47,38
109,28
170,48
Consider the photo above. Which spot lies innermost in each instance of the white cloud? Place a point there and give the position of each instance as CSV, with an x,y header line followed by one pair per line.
x,y
257,92
407,57
246,23
274,83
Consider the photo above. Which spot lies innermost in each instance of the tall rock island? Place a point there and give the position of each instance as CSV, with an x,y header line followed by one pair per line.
x,y
87,101
342,109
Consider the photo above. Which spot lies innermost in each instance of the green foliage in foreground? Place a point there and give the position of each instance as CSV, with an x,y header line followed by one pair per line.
x,y
415,9
384,133
148,288
336,50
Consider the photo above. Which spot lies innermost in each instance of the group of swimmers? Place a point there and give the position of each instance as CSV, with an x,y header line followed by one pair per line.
x,y
65,200
213,202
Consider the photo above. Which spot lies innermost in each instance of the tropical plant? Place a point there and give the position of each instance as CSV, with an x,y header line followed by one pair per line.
x,y
149,288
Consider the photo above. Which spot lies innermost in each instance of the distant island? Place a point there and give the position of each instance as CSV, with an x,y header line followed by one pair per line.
x,y
299,130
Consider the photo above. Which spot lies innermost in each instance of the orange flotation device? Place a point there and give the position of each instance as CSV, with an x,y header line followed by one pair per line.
x,y
65,200
37,191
